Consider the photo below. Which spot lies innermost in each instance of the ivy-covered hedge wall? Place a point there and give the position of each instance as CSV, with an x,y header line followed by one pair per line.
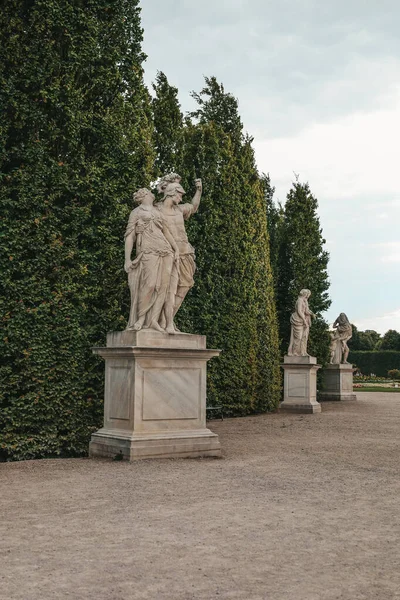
x,y
233,300
379,362
75,131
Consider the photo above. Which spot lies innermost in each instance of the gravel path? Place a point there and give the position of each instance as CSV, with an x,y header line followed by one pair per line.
x,y
300,508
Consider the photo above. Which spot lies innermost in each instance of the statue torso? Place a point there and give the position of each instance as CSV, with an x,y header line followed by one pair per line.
x,y
175,219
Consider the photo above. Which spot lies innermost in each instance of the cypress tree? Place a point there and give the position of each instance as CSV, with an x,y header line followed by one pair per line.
x,y
302,263
232,301
274,221
75,141
168,125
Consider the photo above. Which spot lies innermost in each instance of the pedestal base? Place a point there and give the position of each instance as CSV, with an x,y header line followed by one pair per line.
x,y
300,384
337,383
190,444
155,397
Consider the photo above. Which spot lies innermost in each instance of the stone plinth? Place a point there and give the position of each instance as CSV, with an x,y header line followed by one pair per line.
x,y
300,384
155,397
337,383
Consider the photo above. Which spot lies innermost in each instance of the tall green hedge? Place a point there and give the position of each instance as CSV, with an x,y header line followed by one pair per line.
x,y
232,301
75,141
378,362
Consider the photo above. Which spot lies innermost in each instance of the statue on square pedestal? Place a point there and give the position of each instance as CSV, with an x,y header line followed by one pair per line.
x,y
339,338
300,322
156,376
337,376
300,369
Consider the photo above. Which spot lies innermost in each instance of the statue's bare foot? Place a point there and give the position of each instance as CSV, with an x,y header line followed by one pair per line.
x,y
156,326
176,329
171,329
137,326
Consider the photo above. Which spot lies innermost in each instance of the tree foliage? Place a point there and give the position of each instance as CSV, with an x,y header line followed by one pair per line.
x,y
75,141
364,340
390,341
168,125
275,215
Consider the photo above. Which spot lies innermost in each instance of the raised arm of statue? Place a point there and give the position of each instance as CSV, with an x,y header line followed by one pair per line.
x,y
197,197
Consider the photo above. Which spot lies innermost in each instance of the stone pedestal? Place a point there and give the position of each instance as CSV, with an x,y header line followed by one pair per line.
x,y
155,397
300,384
337,383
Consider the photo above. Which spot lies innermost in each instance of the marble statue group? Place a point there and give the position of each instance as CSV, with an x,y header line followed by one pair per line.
x,y
162,272
300,322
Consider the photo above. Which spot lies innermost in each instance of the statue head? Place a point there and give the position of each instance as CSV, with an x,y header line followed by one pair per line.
x,y
175,191
305,293
169,178
342,319
143,196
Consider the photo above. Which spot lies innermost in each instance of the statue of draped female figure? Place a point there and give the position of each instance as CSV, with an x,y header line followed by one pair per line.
x,y
300,322
149,273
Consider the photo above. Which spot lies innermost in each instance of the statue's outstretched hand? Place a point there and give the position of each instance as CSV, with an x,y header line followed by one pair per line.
x,y
199,185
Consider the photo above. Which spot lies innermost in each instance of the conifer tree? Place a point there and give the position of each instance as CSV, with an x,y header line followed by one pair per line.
x,y
75,142
168,125
302,264
274,221
232,301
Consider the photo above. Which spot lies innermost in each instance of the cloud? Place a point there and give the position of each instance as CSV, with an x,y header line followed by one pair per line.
x,y
391,251
381,323
289,62
353,155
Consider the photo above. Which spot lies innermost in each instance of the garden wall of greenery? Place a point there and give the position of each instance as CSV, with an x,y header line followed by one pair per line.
x,y
79,133
378,363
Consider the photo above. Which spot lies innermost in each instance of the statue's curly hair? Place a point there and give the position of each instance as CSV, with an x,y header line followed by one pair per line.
x,y
166,179
137,196
305,292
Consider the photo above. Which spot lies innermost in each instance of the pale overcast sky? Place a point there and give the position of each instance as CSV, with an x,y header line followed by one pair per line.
x,y
318,85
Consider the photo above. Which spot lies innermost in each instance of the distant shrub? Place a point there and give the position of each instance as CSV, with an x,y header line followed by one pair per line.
x,y
394,373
